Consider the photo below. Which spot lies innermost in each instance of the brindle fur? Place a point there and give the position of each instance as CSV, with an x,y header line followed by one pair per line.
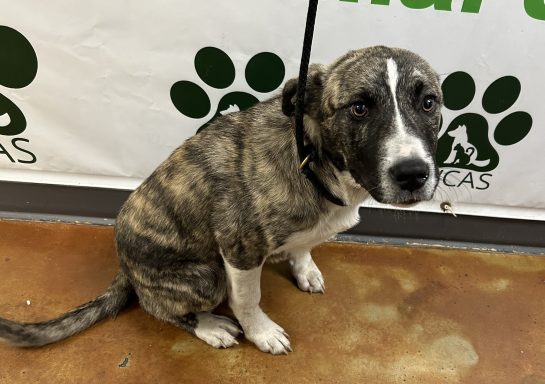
x,y
235,187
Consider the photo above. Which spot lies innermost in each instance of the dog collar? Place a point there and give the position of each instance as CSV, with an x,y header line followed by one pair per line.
x,y
309,155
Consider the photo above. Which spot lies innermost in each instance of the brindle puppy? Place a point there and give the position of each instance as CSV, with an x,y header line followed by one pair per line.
x,y
199,229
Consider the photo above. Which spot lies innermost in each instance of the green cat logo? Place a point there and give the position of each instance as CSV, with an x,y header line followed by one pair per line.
x,y
465,144
264,73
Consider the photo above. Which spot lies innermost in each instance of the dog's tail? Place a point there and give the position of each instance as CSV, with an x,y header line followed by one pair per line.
x,y
77,320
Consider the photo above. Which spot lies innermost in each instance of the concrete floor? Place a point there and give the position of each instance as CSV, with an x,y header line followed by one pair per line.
x,y
390,315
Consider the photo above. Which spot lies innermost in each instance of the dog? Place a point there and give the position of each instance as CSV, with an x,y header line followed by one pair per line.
x,y
463,152
198,230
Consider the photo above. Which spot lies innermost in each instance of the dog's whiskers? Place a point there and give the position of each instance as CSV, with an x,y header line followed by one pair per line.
x,y
461,190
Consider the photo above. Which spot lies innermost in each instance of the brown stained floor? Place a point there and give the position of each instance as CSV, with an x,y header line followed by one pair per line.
x,y
390,315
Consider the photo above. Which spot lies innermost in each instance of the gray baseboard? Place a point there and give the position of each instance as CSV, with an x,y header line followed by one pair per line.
x,y
100,206
60,201
494,233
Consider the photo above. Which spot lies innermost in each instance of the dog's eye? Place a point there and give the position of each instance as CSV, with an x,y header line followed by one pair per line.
x,y
428,103
359,110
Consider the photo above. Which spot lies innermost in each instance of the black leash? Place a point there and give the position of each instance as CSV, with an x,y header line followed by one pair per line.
x,y
307,153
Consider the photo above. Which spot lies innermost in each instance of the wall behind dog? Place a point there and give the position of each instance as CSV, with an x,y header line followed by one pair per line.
x,y
99,93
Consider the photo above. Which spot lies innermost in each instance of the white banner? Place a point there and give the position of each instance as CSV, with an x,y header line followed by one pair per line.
x,y
99,93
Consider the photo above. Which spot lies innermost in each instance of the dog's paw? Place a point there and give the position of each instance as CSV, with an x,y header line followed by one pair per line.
x,y
217,331
269,337
308,276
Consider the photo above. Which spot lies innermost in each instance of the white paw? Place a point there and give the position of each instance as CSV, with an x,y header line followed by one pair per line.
x,y
269,336
218,331
308,276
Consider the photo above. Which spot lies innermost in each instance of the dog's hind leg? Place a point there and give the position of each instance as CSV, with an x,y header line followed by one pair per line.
x,y
306,273
185,298
217,331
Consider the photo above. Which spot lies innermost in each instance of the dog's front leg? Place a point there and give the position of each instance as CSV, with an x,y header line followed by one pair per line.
x,y
244,293
306,273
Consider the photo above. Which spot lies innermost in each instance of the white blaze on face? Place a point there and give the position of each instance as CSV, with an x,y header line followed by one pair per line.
x,y
401,144
393,78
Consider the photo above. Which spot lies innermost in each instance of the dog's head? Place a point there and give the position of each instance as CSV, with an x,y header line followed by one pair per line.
x,y
375,113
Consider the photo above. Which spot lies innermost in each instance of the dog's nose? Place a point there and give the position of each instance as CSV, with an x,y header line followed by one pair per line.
x,y
410,174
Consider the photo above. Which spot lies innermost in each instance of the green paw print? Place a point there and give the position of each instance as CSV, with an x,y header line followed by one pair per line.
x,y
18,68
264,73
465,144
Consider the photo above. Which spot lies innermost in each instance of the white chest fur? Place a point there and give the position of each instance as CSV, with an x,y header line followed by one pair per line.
x,y
336,220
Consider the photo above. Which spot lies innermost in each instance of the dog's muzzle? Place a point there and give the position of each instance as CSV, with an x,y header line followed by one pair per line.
x,y
407,180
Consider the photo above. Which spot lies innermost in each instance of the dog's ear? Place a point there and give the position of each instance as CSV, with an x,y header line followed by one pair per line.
x,y
313,97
